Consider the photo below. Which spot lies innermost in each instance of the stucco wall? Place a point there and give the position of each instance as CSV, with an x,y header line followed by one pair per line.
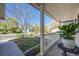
x,y
1,11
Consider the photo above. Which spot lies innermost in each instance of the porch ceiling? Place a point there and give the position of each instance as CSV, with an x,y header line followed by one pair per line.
x,y
62,11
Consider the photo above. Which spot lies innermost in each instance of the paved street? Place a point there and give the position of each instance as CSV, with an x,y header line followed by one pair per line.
x,y
7,37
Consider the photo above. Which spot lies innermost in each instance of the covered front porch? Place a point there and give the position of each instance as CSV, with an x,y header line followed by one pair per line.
x,y
61,13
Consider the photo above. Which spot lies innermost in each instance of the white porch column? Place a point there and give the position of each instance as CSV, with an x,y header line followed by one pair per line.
x,y
42,29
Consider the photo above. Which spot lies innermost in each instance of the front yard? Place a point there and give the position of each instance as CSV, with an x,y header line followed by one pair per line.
x,y
27,43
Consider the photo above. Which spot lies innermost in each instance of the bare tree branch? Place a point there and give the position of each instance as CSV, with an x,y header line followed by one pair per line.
x,y
21,13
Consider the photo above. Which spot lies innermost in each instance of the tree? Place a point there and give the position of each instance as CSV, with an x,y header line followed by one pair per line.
x,y
54,24
21,13
46,29
12,22
4,29
9,26
37,29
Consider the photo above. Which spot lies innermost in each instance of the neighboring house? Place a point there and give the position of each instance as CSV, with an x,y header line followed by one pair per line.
x,y
2,20
54,29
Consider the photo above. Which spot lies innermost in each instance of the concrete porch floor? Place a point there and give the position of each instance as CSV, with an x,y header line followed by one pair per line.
x,y
10,49
56,51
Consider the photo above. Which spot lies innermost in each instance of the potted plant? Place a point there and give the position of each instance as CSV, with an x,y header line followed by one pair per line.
x,y
67,32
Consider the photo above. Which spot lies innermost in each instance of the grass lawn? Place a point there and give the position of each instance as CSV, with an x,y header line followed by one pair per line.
x,y
26,43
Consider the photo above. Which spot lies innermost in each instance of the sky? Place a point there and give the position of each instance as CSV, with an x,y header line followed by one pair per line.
x,y
27,9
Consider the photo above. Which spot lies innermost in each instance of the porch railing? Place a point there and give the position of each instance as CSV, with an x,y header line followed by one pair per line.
x,y
50,39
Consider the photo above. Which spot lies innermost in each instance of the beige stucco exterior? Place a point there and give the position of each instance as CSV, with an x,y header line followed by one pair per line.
x,y
1,11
